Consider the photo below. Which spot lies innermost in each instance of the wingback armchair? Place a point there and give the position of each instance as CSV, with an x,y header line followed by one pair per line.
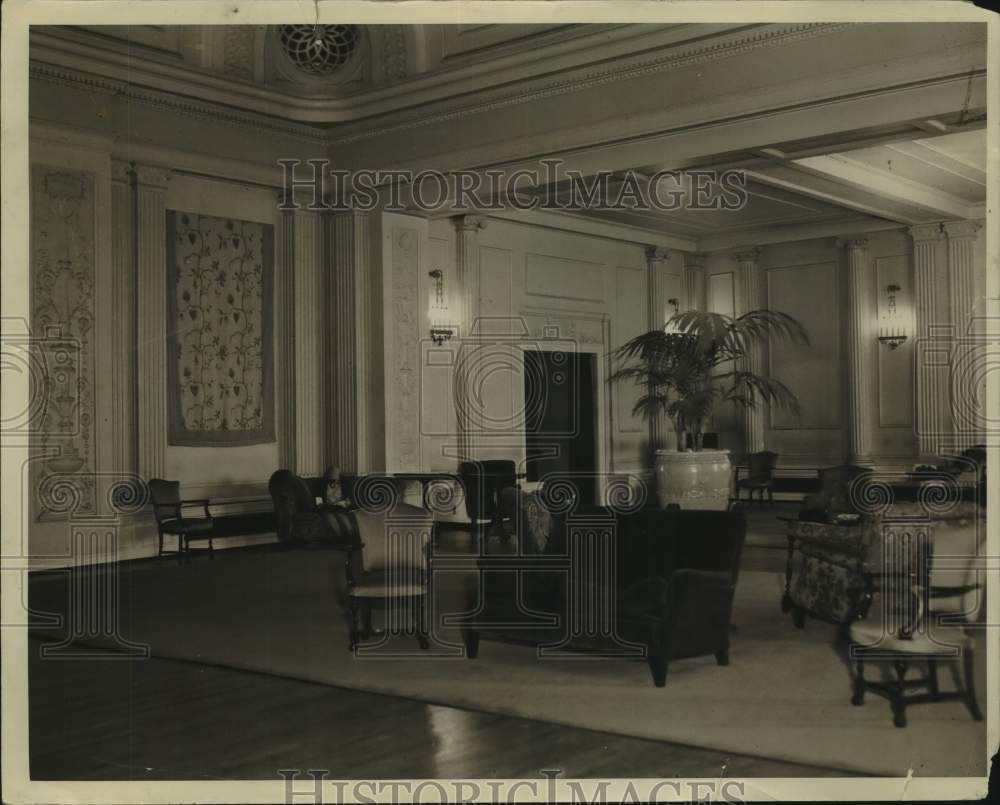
x,y
486,484
299,518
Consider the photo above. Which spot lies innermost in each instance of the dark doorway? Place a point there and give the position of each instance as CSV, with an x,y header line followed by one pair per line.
x,y
560,417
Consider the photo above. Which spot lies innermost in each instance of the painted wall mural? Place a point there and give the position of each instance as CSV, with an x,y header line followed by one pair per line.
x,y
220,373
62,326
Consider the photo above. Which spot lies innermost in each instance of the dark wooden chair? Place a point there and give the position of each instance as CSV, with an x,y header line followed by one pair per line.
x,y
168,509
760,476
484,483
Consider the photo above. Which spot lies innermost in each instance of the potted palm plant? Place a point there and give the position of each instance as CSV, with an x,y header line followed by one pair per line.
x,y
696,361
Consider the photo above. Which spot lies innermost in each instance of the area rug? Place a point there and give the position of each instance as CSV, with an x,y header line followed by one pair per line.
x,y
786,694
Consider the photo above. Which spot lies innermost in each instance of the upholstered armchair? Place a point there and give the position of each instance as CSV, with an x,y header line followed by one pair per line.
x,y
168,509
299,518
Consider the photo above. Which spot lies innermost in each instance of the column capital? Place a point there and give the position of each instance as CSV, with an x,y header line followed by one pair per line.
x,y
121,171
925,232
656,253
852,243
961,229
747,255
151,177
469,223
694,259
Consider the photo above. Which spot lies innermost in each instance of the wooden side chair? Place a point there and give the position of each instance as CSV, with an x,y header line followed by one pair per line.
x,y
760,476
168,509
390,563
917,616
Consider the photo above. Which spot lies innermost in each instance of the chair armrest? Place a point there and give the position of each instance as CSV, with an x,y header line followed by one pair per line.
x,y
203,502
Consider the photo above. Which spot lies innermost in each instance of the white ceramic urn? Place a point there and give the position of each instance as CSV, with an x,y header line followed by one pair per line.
x,y
693,480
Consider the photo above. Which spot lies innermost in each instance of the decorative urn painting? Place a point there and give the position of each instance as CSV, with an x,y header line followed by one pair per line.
x,y
220,352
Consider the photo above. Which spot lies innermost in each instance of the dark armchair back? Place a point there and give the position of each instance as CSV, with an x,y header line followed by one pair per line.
x,y
483,482
292,498
834,495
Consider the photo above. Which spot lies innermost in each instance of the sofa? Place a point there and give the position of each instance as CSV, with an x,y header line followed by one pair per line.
x,y
654,584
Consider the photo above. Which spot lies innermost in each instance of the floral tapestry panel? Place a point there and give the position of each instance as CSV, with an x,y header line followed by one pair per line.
x,y
62,424
220,361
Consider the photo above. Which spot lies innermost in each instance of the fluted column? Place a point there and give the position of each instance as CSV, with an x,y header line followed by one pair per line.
x,y
930,398
966,396
467,279
694,281
860,338
284,309
151,296
350,345
749,279
308,344
656,259
123,318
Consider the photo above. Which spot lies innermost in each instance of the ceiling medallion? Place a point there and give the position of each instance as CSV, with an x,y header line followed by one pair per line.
x,y
319,49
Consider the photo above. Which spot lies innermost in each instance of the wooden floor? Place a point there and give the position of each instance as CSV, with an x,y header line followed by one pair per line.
x,y
114,719
159,719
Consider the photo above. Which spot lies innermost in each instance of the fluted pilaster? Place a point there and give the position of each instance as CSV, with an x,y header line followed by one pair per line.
x,y
694,281
467,280
966,397
151,290
749,279
307,344
285,329
350,258
860,338
930,388
123,318
656,259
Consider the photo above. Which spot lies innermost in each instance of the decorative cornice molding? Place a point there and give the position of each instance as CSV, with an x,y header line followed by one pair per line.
x,y
167,101
743,42
925,232
961,229
657,254
595,78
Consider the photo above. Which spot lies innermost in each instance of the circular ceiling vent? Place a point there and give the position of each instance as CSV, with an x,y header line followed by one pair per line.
x,y
319,49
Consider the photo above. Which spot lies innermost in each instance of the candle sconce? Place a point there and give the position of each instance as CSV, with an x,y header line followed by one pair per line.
x,y
439,332
892,336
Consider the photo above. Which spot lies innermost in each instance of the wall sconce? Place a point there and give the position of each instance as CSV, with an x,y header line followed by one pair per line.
x,y
892,336
441,333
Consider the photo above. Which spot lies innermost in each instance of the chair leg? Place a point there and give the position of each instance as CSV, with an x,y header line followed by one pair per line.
x,y
932,680
160,553
858,697
211,549
898,700
657,659
799,617
471,639
722,656
423,638
968,667
355,634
